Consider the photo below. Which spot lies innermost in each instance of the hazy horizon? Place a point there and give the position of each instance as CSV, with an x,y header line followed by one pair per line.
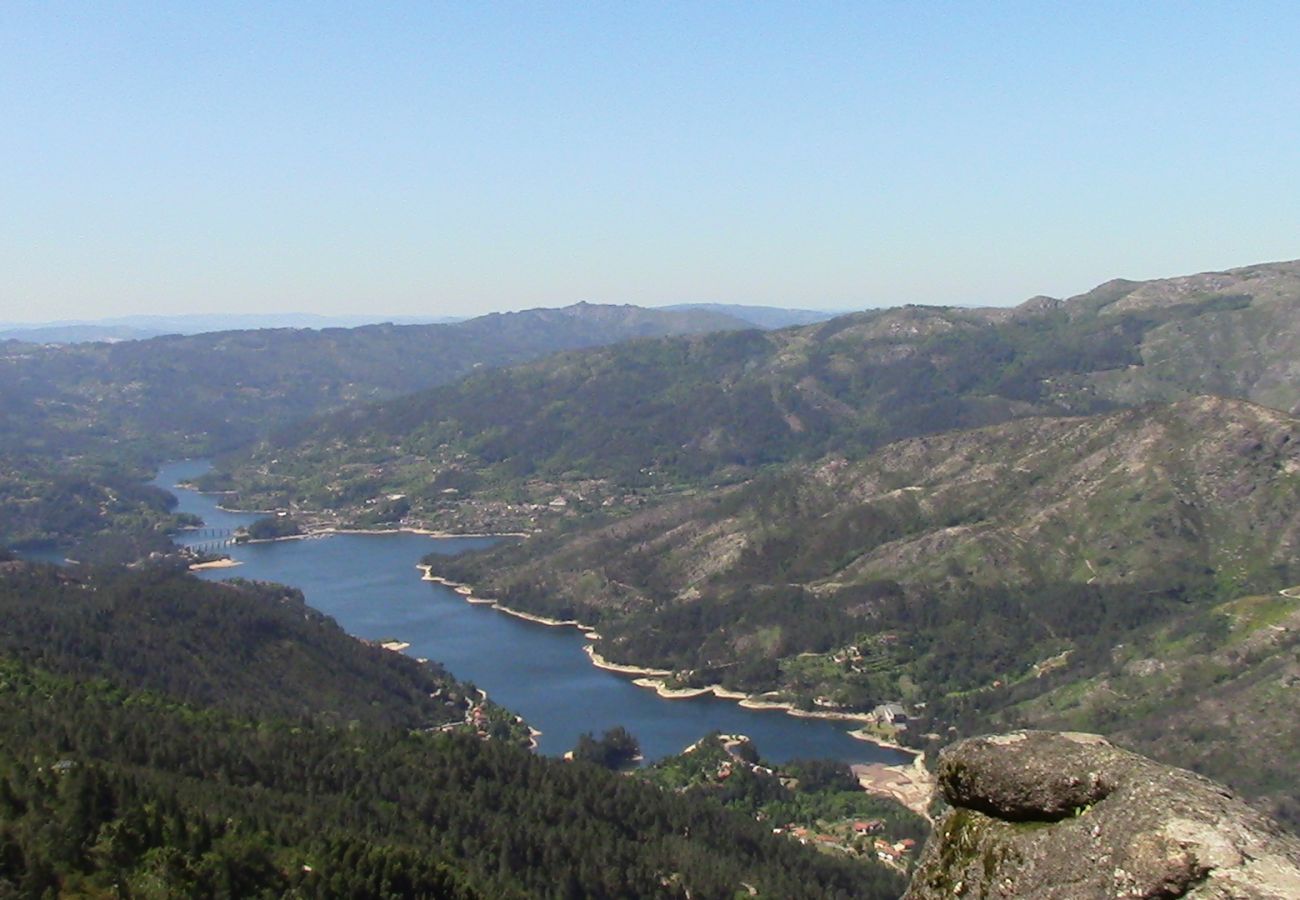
x,y
331,318
449,161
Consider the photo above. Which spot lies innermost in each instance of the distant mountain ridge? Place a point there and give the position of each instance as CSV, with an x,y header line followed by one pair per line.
x,y
234,382
142,327
75,418
765,317
709,408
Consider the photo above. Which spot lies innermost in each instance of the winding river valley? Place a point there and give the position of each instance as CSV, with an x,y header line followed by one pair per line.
x,y
369,583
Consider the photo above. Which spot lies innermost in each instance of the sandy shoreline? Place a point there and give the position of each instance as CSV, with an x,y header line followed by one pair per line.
x,y
424,532
225,563
863,735
284,537
644,674
427,532
653,679
660,687
911,785
529,617
467,594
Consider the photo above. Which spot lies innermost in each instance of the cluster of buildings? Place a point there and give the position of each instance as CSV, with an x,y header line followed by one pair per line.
x,y
726,767
895,852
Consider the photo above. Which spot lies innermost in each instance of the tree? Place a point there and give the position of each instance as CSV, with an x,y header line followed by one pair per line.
x,y
615,749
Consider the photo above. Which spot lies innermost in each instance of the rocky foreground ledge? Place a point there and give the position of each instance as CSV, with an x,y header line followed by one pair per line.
x,y
1067,815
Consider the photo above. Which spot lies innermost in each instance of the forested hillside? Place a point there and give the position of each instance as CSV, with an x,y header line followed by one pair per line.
x,y
1047,515
101,505
973,512
252,649
172,776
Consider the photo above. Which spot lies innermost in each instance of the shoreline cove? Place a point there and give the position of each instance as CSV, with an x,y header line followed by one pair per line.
x,y
653,679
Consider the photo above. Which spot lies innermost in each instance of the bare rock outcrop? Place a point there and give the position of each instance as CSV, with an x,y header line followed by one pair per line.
x,y
1065,815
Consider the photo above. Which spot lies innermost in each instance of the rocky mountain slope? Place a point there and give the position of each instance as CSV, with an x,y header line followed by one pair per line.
x,y
701,411
1245,341
1059,572
658,415
1199,497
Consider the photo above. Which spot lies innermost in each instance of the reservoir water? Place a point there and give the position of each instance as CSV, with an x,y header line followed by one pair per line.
x,y
369,584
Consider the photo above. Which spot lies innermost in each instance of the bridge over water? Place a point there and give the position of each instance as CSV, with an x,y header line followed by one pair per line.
x,y
207,539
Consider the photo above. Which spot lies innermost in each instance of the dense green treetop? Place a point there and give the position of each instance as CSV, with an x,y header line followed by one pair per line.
x,y
251,648
269,528
614,749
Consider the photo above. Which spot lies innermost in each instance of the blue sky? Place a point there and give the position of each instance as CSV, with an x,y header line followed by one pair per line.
x,y
440,159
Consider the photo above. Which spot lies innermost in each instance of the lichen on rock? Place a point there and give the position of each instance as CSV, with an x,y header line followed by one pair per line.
x,y
1065,815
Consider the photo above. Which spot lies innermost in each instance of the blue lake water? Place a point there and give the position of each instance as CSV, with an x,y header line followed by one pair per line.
x,y
369,584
